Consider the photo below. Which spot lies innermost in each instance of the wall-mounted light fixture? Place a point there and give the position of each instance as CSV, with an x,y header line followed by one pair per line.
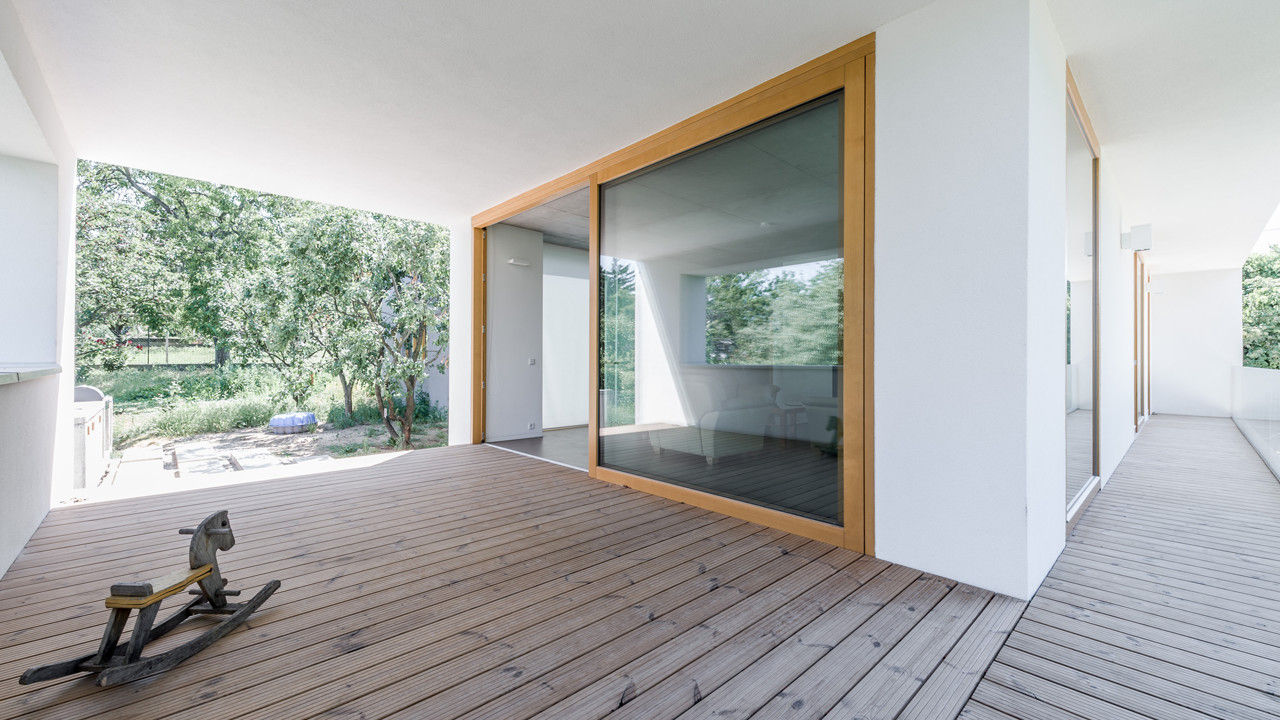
x,y
517,262
1138,238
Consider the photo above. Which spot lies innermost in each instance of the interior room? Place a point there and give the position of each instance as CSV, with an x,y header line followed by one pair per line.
x,y
721,331
537,331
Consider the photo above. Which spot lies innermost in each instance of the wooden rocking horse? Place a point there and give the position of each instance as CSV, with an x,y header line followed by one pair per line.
x,y
114,664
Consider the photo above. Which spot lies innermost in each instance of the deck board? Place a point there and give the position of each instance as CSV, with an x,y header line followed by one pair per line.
x,y
1164,603
472,582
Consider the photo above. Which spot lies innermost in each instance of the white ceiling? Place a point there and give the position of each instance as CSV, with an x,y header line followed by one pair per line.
x,y
434,110
1185,98
438,110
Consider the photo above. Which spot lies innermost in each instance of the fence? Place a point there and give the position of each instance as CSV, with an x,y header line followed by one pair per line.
x,y
168,351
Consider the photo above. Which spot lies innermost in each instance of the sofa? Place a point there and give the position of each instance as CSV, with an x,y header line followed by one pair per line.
x,y
730,419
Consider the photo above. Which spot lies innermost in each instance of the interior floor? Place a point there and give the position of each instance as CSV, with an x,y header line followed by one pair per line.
x,y
792,476
567,446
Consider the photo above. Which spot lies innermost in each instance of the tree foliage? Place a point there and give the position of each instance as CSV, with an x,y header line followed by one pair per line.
x,y
761,318
306,288
1261,309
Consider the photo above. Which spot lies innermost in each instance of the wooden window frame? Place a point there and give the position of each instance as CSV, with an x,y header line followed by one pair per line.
x,y
1076,104
850,69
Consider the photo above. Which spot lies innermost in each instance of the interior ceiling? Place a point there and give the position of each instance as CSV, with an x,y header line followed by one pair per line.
x,y
1185,99
439,110
565,220
432,110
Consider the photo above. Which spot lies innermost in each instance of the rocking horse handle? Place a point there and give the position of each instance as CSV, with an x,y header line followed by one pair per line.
x,y
210,531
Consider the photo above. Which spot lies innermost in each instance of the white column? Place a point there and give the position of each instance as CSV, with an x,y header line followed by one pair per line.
x,y
970,327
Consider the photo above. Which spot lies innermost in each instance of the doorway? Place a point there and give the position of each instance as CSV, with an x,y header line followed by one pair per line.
x,y
536,331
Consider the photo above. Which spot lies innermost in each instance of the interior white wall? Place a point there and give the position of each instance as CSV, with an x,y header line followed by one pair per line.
x,y
513,331
970,213
1196,341
565,340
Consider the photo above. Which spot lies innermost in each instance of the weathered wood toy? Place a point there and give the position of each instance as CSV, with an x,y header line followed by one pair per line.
x,y
115,664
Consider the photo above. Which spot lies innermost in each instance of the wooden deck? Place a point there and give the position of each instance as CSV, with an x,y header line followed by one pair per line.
x,y
473,582
1166,601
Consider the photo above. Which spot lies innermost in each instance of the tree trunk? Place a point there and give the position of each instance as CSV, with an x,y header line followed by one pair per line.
x,y
221,354
386,412
346,394
406,420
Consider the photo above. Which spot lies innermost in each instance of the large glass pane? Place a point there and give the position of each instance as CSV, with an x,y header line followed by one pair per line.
x,y
721,327
1080,279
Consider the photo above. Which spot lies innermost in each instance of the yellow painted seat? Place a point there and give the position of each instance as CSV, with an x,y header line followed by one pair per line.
x,y
136,595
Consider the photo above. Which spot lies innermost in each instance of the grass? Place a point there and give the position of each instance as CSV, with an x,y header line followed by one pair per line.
x,y
174,403
186,355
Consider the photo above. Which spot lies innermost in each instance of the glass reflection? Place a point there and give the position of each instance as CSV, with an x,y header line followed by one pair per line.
x,y
721,328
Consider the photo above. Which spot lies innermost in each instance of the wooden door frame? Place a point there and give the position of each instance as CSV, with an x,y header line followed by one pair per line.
x,y
850,69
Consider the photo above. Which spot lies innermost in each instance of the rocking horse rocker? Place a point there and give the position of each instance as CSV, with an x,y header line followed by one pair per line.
x,y
114,664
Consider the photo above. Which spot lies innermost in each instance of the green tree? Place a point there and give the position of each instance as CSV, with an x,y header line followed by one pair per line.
x,y
122,277
1261,309
215,237
734,303
618,339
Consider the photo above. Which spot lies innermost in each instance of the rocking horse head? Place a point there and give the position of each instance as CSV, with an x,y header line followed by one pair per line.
x,y
211,535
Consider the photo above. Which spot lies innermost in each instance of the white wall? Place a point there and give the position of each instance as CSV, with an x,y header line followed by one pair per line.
x,y
970,213
28,277
28,422
1196,340
37,299
513,319
565,341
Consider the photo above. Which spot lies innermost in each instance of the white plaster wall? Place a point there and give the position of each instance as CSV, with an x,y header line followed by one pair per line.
x,y
1196,341
36,311
970,205
513,319
28,422
28,275
1046,321
565,340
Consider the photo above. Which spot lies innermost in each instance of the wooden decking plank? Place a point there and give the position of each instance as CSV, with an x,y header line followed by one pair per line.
x,y
888,686
589,597
1068,699
1151,675
325,616
459,617
731,633
944,694
815,667
661,616
740,603
692,684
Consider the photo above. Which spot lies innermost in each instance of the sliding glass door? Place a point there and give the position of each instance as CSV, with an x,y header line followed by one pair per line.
x,y
721,316
1081,284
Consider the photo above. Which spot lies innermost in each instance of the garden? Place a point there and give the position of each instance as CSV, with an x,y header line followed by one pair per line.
x,y
206,308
